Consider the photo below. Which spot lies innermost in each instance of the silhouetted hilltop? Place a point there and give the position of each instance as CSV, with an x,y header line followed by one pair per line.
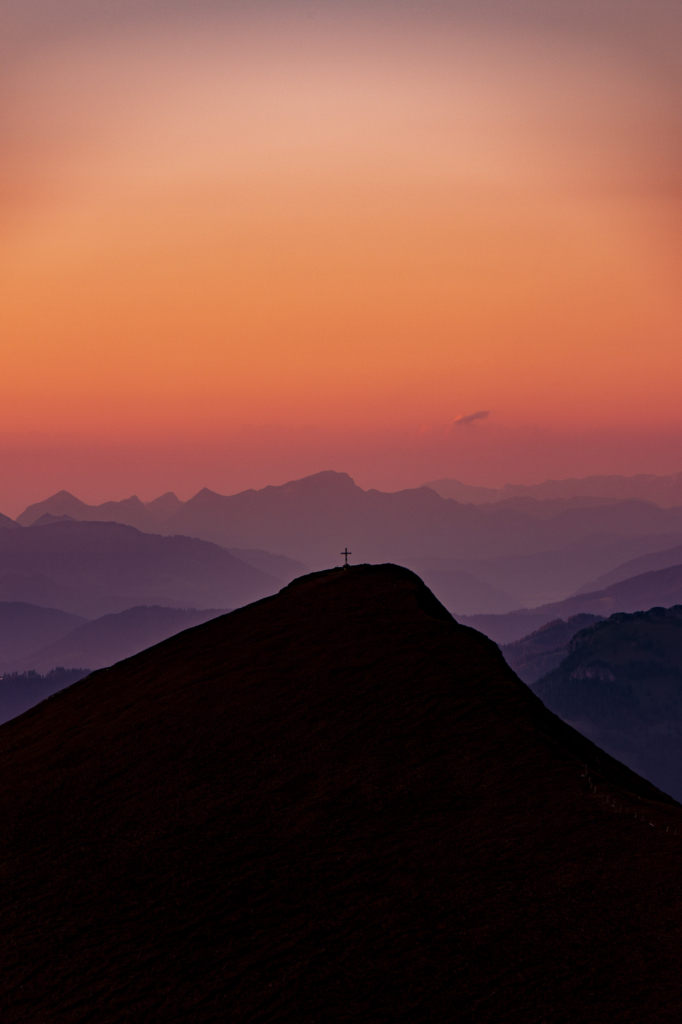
x,y
662,490
621,684
537,654
93,568
651,588
111,638
7,524
24,628
335,804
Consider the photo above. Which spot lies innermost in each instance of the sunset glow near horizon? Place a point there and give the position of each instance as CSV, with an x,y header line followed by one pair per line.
x,y
347,222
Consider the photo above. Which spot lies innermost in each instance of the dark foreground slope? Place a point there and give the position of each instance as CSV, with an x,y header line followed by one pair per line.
x,y
333,805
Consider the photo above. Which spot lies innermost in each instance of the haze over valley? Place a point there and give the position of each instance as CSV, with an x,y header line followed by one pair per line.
x,y
83,587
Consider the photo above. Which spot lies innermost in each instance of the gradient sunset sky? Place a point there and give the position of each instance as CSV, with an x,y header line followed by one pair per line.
x,y
240,242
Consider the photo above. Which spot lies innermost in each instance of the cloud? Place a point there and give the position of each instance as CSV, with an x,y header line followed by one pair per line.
x,y
463,421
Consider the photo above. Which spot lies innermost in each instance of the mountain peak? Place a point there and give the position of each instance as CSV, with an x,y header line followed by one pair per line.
x,y
346,806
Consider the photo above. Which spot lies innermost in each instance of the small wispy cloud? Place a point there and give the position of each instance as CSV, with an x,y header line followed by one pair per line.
x,y
463,421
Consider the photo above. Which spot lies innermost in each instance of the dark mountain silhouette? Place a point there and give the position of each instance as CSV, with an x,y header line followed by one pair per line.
x,y
333,805
635,567
621,684
20,691
7,524
112,638
25,627
537,654
665,491
651,588
93,568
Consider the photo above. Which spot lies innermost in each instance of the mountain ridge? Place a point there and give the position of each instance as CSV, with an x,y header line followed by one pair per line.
x,y
111,638
334,804
661,587
664,490
92,568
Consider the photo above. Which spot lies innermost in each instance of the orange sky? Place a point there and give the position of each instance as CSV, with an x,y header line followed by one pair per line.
x,y
342,222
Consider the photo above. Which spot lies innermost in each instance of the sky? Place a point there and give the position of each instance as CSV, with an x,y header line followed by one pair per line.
x,y
240,243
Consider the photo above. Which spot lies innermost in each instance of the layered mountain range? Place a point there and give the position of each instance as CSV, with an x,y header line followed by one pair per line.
x,y
661,490
334,804
490,558
72,642
662,588
93,568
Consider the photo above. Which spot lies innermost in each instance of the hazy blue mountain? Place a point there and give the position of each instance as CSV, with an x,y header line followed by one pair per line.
x,y
547,576
652,588
283,568
466,494
310,520
546,508
112,638
91,568
665,491
621,685
535,655
20,691
20,585
8,524
635,567
461,592
25,627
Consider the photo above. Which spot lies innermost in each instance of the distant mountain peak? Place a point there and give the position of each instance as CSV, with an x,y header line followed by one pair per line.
x,y
47,519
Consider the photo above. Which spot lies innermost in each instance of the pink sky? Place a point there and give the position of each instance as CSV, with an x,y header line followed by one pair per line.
x,y
358,222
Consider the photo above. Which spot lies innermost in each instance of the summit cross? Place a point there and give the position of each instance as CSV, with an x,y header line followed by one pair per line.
x,y
345,554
